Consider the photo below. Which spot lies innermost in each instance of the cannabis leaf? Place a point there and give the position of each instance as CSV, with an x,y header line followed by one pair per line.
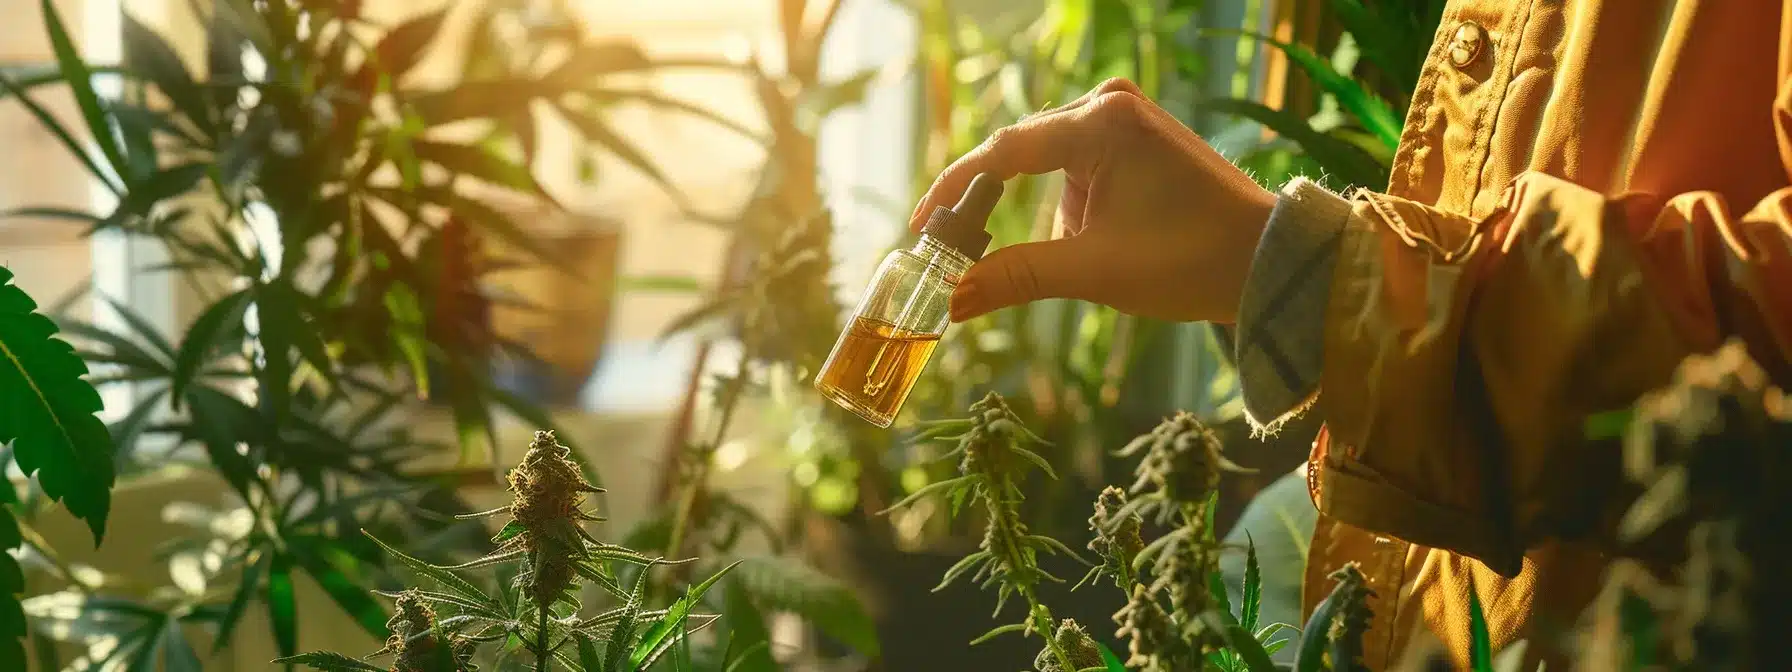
x,y
49,413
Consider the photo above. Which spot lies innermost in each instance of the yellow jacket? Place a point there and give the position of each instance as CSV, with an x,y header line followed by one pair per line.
x,y
1586,191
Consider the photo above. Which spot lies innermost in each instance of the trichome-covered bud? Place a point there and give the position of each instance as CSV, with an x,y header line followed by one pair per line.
x,y
547,485
415,644
1181,461
1152,640
1350,618
547,490
1076,644
1117,539
1182,569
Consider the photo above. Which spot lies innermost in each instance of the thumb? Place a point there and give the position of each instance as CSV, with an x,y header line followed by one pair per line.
x,y
1022,273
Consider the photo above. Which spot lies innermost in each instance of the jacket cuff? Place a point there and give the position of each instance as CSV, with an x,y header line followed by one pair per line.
x,y
1281,316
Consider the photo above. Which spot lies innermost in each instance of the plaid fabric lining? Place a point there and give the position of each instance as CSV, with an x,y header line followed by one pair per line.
x,y
1280,337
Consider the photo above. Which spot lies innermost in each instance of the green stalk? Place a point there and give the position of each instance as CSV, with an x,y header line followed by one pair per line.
x,y
687,502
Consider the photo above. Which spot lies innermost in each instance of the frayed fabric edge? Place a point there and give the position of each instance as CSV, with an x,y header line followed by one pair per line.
x,y
1264,430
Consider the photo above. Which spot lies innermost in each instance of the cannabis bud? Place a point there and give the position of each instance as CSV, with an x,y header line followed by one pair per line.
x,y
1350,616
1181,465
1117,541
1075,642
1151,641
416,644
547,490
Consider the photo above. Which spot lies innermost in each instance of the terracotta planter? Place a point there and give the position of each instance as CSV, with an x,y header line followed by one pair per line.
x,y
562,314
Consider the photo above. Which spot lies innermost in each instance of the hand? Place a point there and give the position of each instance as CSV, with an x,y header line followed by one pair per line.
x,y
1157,224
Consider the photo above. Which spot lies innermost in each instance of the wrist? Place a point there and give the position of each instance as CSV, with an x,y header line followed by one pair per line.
x,y
1243,237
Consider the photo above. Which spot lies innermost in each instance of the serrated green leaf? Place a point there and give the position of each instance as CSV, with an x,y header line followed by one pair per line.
x,y
1249,651
52,422
440,576
328,662
1253,586
623,634
282,609
791,586
1216,585
663,633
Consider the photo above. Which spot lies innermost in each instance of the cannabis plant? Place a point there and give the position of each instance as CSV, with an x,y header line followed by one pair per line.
x,y
1177,614
538,613
336,225
993,453
1710,453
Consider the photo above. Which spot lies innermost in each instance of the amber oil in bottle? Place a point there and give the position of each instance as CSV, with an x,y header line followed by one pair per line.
x,y
906,308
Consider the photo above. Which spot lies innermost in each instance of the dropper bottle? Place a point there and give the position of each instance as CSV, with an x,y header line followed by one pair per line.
x,y
906,308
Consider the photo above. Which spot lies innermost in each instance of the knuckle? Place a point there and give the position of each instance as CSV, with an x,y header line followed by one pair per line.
x,y
1118,85
1117,106
1001,137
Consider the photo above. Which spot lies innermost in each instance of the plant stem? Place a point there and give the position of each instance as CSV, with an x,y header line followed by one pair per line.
x,y
541,642
681,520
1043,622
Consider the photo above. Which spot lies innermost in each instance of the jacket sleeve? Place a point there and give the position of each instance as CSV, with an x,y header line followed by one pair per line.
x,y
1462,357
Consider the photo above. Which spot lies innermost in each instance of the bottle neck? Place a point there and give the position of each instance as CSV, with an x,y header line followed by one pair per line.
x,y
937,253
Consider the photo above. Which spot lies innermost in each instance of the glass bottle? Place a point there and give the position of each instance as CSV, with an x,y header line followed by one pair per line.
x,y
906,308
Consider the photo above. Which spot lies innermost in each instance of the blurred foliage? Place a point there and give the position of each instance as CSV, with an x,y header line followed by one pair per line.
x,y
336,220
1340,116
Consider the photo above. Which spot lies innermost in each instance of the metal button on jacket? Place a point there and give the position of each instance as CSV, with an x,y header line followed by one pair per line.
x,y
1468,44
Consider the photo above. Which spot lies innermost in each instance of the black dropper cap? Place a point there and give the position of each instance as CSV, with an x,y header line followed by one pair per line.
x,y
962,227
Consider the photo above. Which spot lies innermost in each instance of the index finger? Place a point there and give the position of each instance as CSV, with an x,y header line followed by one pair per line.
x,y
1068,140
